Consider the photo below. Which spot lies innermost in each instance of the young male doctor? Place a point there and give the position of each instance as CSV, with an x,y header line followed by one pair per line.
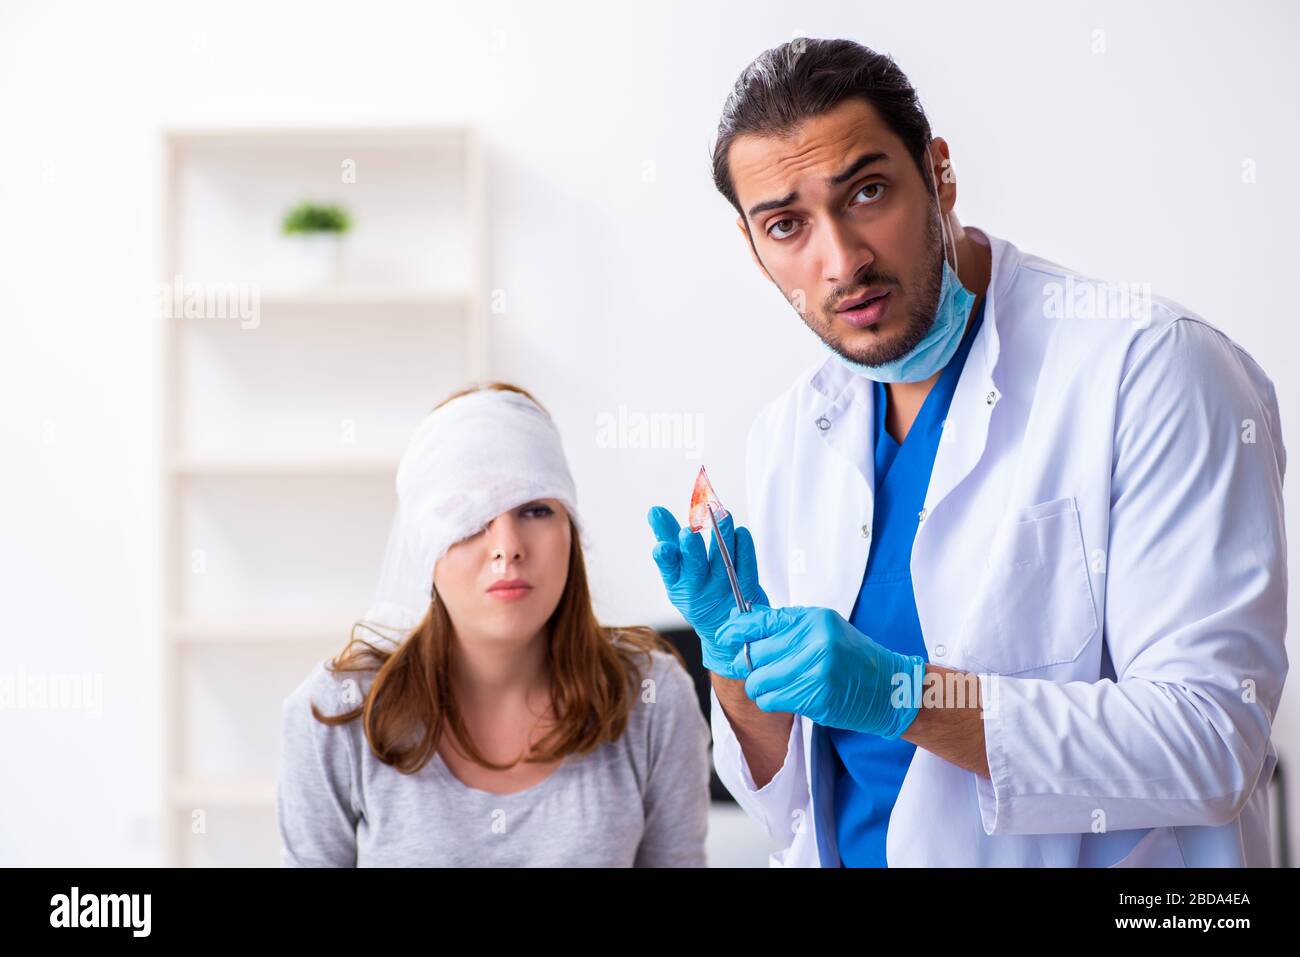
x,y
1019,537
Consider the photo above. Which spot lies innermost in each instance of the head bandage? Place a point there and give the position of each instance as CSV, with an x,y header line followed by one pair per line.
x,y
467,462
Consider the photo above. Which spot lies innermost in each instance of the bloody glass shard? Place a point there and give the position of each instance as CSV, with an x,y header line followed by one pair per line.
x,y
702,496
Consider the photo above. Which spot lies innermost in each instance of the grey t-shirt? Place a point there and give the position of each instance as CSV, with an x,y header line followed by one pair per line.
x,y
640,801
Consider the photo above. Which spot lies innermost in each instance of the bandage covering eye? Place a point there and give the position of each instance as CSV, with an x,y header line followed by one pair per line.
x,y
467,462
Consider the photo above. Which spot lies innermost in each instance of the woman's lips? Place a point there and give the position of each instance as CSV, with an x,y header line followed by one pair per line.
x,y
511,594
867,315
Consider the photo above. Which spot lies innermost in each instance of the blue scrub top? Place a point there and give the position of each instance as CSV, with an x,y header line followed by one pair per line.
x,y
869,769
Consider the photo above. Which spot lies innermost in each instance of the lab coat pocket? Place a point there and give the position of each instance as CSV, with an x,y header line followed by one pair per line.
x,y
1034,608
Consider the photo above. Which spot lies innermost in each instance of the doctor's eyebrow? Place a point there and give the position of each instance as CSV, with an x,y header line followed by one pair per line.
x,y
863,161
866,159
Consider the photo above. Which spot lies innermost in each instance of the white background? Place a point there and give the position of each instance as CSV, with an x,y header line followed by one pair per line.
x,y
613,250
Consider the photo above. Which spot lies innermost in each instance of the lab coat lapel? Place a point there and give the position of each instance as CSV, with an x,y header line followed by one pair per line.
x,y
839,501
966,428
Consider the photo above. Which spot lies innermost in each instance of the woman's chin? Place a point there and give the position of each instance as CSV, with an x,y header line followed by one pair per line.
x,y
511,619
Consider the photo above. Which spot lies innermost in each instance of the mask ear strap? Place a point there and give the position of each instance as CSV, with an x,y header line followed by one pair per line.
x,y
943,233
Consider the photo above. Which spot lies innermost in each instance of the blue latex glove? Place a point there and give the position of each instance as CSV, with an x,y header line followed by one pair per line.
x,y
697,583
810,661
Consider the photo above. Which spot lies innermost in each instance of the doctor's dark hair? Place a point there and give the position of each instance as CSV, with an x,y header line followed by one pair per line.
x,y
788,85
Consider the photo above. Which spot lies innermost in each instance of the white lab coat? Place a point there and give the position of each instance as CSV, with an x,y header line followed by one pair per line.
x,y
1102,541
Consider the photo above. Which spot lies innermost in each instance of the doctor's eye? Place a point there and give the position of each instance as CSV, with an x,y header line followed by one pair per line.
x,y
776,224
867,186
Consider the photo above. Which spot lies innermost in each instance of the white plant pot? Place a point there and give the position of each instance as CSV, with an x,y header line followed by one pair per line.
x,y
316,260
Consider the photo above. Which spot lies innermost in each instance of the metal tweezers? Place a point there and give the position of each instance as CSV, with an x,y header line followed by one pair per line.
x,y
731,574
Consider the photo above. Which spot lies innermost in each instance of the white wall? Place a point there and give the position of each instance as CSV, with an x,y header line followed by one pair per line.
x,y
610,244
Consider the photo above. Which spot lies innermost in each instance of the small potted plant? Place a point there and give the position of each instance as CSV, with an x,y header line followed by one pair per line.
x,y
317,230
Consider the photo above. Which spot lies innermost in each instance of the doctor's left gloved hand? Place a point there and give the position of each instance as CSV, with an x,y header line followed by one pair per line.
x,y
810,661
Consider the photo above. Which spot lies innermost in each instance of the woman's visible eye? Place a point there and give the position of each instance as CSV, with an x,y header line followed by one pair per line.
x,y
867,186
775,225
541,510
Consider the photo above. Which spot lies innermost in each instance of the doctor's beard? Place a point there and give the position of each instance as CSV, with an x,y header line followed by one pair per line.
x,y
876,350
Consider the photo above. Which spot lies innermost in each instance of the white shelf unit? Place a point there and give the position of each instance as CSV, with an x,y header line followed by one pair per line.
x,y
283,424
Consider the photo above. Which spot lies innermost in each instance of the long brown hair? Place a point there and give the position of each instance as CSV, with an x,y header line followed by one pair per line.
x,y
594,674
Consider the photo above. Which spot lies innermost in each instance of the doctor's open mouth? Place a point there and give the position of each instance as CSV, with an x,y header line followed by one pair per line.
x,y
865,311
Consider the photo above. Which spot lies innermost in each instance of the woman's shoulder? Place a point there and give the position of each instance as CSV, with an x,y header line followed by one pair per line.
x,y
333,691
649,651
666,695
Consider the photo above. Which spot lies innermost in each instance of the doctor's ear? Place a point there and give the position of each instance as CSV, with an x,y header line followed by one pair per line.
x,y
749,244
945,175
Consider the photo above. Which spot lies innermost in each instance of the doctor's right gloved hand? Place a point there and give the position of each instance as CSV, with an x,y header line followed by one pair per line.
x,y
697,583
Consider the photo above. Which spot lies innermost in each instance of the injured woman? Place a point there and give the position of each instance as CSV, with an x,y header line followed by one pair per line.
x,y
488,718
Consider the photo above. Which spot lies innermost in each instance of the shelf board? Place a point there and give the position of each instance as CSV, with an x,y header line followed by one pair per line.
x,y
236,466
402,304
275,630
223,792
391,299
368,298
269,138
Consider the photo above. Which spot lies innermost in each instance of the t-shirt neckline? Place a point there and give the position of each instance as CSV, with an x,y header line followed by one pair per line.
x,y
445,771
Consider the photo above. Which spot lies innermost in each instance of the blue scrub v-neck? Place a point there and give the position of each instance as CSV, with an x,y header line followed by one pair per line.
x,y
869,770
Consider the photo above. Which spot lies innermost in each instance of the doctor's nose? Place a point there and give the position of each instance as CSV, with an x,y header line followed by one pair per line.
x,y
844,257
